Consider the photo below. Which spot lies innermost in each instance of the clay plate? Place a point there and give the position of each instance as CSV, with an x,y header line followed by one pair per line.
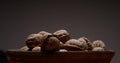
x,y
17,56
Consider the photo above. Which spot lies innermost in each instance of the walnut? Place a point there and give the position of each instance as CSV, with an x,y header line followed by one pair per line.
x,y
44,34
51,44
33,40
36,49
98,43
73,44
61,45
62,35
24,48
87,43
69,47
98,49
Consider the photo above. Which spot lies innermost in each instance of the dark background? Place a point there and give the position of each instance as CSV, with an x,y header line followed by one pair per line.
x,y
92,19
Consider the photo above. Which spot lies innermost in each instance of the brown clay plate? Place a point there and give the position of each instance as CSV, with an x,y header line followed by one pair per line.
x,y
17,56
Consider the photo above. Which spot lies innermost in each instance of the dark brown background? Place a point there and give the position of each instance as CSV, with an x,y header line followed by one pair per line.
x,y
92,19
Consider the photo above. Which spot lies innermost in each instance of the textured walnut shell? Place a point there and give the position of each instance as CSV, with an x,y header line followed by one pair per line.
x,y
50,45
88,43
76,44
36,49
24,48
33,40
62,35
98,43
31,43
64,38
71,47
98,49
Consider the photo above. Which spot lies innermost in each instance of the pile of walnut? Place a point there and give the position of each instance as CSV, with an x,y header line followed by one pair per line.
x,y
60,41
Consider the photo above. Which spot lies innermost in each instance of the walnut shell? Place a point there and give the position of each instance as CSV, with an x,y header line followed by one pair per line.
x,y
87,43
24,48
36,49
33,40
73,45
98,49
51,44
98,43
62,35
